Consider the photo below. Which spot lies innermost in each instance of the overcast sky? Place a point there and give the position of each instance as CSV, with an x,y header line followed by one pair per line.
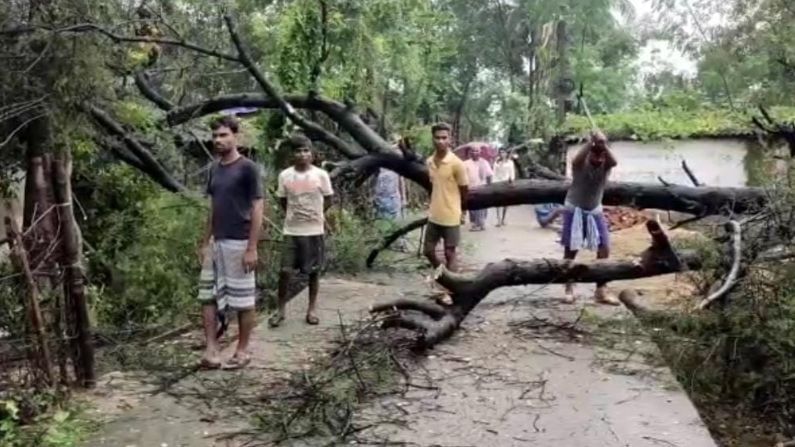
x,y
657,53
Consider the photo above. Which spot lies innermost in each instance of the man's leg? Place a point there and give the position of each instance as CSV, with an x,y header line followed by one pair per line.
x,y
568,254
432,237
314,287
210,357
241,292
603,252
281,298
452,236
314,250
569,297
473,220
285,275
208,286
246,320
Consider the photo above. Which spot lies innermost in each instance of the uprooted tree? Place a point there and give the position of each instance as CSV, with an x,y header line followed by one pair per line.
x,y
366,151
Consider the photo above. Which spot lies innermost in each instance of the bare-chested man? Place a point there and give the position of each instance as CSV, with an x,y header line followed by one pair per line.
x,y
584,225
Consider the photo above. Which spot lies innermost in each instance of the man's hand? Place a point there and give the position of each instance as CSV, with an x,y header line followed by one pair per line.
x,y
250,260
201,252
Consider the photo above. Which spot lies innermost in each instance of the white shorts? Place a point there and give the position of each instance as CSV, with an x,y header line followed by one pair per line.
x,y
223,278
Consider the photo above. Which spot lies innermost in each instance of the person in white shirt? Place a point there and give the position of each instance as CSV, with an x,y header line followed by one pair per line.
x,y
304,192
479,173
504,171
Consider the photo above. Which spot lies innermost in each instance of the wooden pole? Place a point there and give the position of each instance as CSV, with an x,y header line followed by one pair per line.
x,y
42,359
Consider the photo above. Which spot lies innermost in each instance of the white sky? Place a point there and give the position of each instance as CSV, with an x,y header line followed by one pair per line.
x,y
658,54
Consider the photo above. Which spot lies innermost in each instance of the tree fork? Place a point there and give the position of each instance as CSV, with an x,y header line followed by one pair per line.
x,y
435,323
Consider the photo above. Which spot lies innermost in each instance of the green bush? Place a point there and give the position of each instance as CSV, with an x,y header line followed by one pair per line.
x,y
153,279
682,121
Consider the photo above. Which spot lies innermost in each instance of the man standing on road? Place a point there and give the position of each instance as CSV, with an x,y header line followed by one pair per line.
x,y
304,193
448,192
228,249
584,225
479,173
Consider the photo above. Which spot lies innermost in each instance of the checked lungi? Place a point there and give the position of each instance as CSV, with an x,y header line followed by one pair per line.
x,y
224,279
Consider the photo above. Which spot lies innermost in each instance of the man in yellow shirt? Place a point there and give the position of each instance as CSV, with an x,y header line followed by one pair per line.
x,y
448,193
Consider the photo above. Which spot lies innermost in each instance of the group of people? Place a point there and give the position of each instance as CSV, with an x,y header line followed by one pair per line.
x,y
228,248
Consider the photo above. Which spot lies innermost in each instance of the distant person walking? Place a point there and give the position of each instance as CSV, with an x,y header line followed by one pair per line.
x,y
304,192
228,249
504,171
478,173
389,195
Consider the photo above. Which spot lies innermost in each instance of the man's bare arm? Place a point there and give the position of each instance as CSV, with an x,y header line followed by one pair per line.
x,y
256,223
464,191
208,227
610,159
283,203
582,154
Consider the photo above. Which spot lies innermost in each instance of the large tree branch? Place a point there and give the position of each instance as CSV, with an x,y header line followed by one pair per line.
x,y
91,27
686,199
312,128
412,170
336,111
151,166
467,291
149,92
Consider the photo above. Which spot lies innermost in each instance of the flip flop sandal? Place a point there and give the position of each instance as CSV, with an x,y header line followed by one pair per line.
x,y
236,363
609,300
311,319
275,320
206,363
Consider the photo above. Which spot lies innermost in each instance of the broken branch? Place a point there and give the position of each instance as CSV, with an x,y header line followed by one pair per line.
x,y
312,128
392,237
734,227
148,162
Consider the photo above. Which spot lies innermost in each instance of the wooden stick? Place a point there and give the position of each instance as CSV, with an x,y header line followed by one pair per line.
x,y
43,359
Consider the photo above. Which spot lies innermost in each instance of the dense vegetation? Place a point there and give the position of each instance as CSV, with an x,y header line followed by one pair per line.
x,y
493,69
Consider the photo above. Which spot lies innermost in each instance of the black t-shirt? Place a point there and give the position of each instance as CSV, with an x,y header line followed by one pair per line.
x,y
233,188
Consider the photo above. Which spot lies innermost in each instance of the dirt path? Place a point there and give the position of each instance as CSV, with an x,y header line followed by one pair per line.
x,y
507,378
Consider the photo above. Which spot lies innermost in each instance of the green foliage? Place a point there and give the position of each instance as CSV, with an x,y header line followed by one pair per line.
x,y
350,241
673,122
29,419
153,266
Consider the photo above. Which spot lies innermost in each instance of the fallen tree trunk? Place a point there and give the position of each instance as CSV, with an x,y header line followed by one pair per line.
x,y
701,201
685,199
435,322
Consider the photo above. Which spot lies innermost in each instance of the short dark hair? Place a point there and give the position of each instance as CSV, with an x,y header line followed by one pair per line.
x,y
440,126
297,141
225,121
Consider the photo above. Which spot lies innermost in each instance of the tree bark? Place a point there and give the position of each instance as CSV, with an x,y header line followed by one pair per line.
x,y
71,260
136,150
435,322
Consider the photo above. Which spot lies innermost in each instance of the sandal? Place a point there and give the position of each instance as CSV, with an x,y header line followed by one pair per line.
x,y
311,319
236,362
275,320
206,363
